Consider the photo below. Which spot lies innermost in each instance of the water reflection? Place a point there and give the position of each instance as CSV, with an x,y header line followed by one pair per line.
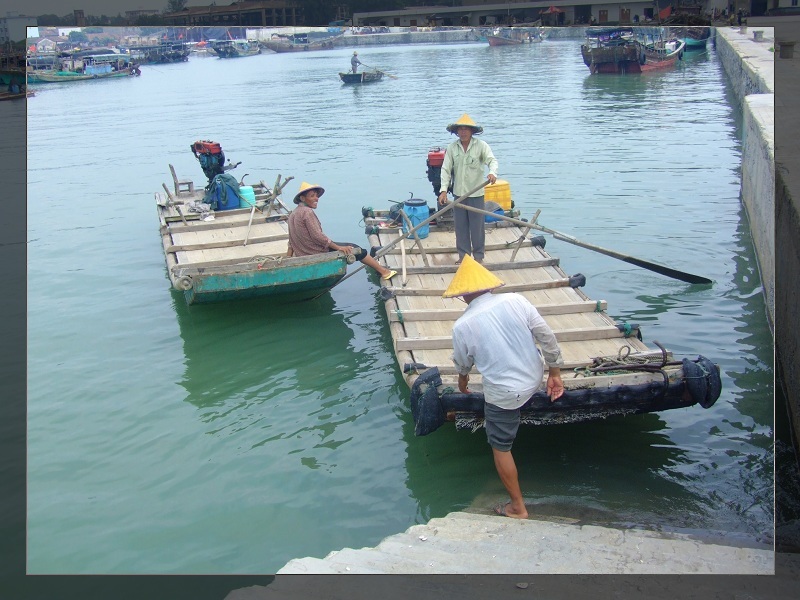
x,y
281,368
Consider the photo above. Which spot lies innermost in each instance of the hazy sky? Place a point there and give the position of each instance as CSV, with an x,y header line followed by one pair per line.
x,y
90,7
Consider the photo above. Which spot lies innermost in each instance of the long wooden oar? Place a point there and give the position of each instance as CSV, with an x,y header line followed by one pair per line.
x,y
639,262
390,245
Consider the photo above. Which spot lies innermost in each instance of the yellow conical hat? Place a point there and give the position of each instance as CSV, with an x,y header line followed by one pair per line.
x,y
471,278
465,120
304,187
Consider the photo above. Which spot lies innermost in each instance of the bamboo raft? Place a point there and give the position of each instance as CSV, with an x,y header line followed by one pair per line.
x,y
608,369
241,253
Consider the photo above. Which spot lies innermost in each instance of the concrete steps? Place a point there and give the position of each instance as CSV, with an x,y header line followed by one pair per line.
x,y
487,544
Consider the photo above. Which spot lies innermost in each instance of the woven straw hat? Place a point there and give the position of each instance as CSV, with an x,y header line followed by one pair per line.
x,y
472,278
465,120
304,187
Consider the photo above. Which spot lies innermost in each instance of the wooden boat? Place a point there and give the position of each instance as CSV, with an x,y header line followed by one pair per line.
x,y
168,52
17,95
298,43
693,29
241,253
83,66
235,48
608,369
695,38
615,50
45,76
363,77
513,36
502,40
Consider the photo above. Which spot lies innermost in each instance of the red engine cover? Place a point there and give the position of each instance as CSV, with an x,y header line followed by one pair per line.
x,y
207,147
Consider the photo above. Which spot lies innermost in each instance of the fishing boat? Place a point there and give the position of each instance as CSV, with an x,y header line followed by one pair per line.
x,y
237,250
363,77
83,67
235,48
693,29
619,50
18,95
101,72
168,52
695,38
502,40
608,368
513,36
299,43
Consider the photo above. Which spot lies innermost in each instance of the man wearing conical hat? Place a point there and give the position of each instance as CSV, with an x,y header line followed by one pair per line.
x,y
306,236
354,62
497,334
464,160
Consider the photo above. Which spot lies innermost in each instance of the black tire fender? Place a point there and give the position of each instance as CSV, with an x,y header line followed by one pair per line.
x,y
713,382
694,378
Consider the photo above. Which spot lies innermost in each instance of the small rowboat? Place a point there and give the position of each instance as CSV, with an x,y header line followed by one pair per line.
x,y
363,77
240,252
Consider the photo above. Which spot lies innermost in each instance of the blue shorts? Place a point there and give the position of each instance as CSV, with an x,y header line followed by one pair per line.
x,y
501,426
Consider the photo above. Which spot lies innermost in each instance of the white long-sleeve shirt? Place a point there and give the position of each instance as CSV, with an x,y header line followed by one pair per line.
x,y
497,334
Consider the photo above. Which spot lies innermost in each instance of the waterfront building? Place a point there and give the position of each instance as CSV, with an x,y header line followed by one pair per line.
x,y
14,27
261,13
477,13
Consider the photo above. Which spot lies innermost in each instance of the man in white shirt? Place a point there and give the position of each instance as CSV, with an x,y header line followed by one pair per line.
x,y
497,334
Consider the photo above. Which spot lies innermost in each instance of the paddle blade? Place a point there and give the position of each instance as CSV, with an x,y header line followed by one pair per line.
x,y
674,273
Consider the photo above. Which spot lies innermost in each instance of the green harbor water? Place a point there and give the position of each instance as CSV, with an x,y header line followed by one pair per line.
x,y
231,438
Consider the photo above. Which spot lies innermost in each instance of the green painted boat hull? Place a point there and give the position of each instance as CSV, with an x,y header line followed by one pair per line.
x,y
293,282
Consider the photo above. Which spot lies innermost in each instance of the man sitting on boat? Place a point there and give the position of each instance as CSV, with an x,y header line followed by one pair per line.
x,y
306,236
354,62
497,334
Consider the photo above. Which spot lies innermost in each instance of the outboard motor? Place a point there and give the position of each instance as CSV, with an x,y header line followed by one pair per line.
x,y
435,160
212,159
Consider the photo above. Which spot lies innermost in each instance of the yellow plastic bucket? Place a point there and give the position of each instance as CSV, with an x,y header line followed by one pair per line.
x,y
500,192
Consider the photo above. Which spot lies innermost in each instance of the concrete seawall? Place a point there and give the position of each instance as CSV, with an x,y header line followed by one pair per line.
x,y
750,66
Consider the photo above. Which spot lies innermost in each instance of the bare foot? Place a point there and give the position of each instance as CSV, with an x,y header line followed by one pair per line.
x,y
506,510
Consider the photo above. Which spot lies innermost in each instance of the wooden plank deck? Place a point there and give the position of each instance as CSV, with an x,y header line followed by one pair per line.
x,y
421,321
191,244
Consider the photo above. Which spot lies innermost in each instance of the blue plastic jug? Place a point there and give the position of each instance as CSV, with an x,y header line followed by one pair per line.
x,y
417,211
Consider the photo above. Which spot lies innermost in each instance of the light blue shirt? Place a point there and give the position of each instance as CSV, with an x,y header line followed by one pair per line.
x,y
498,334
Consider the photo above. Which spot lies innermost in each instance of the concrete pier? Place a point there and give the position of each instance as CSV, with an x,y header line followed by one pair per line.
x,y
464,542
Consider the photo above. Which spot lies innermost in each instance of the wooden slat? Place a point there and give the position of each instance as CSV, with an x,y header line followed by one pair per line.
x,y
451,314
218,223
440,269
447,249
515,287
222,263
228,243
565,335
